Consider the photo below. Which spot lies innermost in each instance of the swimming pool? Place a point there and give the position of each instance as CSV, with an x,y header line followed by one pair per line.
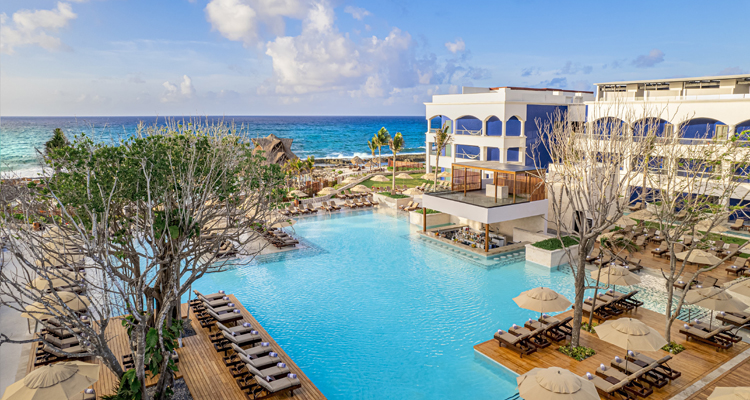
x,y
369,311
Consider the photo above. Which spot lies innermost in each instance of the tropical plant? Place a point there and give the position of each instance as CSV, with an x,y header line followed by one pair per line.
x,y
381,139
396,144
443,137
128,388
372,145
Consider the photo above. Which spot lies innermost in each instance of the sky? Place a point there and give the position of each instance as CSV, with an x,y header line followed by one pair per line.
x,y
326,57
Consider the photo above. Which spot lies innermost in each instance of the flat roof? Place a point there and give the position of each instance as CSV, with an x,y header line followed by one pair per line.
x,y
496,166
539,89
699,78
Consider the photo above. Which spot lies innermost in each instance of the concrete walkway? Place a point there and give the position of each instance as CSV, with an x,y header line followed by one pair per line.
x,y
15,327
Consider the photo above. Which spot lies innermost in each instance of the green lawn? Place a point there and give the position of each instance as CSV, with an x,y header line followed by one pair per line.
x,y
408,182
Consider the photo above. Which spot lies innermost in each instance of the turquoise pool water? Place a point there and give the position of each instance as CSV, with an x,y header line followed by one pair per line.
x,y
369,311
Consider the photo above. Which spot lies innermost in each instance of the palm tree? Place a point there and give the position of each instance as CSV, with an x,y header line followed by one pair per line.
x,y
58,140
372,145
396,144
442,138
381,139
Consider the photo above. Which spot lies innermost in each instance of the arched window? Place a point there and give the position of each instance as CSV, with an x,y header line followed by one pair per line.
x,y
698,130
608,125
513,127
649,126
468,125
494,126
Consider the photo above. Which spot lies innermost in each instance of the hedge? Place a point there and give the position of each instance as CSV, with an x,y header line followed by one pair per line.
x,y
554,243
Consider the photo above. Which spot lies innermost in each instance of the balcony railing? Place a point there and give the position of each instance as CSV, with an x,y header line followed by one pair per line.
x,y
468,132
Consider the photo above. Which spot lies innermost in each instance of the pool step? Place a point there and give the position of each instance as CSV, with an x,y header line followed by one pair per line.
x,y
516,396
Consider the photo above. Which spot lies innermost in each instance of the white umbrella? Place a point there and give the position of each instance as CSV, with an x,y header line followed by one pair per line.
x,y
326,191
63,380
350,179
356,160
404,175
698,257
616,275
361,189
630,334
380,178
715,299
542,300
706,224
625,221
555,384
730,393
445,174
430,177
411,192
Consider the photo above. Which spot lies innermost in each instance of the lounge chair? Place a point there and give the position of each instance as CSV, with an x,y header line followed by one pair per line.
x,y
709,281
738,224
239,329
627,383
213,296
61,343
274,371
341,195
518,343
681,215
414,207
635,207
734,318
334,205
603,260
651,376
561,326
661,250
549,330
366,202
274,387
600,312
628,298
536,336
711,338
251,352
641,241
609,388
662,368
372,200
323,206
737,266
226,318
726,332
243,340
595,254
733,248
404,207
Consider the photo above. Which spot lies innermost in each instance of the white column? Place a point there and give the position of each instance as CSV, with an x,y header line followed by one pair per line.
x,y
484,127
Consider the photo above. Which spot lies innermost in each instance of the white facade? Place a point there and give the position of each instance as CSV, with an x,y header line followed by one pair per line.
x,y
496,106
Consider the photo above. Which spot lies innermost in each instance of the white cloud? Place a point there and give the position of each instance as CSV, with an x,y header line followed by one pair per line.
x,y
239,20
356,12
172,93
653,57
456,47
31,28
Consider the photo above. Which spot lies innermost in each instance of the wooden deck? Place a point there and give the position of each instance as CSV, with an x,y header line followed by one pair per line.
x,y
696,361
200,365
737,376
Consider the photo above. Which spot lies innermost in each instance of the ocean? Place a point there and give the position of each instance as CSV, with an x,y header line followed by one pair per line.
x,y
321,137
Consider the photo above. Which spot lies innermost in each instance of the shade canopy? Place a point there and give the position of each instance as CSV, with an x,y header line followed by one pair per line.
x,y
350,179
356,160
380,178
326,191
404,175
715,299
641,214
706,224
445,174
431,176
63,380
730,393
411,192
361,189
542,300
698,257
39,311
616,275
625,221
742,288
41,283
630,334
555,384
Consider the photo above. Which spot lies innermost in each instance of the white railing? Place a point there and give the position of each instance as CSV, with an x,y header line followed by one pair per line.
x,y
679,98
469,132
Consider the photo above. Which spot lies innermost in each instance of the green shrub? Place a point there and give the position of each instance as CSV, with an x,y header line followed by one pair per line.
x,y
674,348
585,326
394,196
554,243
579,353
431,211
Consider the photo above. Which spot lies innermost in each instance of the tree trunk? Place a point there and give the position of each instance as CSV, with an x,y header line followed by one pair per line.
x,y
668,312
166,378
437,165
580,283
393,185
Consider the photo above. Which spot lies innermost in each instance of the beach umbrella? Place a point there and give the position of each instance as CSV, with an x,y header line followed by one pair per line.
x,y
616,275
356,160
41,283
445,174
742,288
429,177
350,179
630,334
411,192
63,380
625,221
542,300
641,214
698,257
326,191
361,189
298,193
555,384
371,163
380,178
72,300
404,175
705,224
715,299
730,393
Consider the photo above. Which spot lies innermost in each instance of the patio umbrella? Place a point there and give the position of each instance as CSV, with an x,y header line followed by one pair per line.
x,y
641,214
72,300
41,283
350,179
698,257
404,175
715,299
411,192
63,380
616,275
706,223
380,178
326,191
430,177
356,160
445,174
730,393
625,221
361,189
630,334
298,193
742,288
542,300
555,384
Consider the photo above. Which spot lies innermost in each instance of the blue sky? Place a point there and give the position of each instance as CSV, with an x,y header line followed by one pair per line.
x,y
309,57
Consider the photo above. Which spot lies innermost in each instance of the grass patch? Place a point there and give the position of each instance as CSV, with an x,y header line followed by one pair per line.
x,y
554,243
579,353
726,239
431,211
394,196
674,348
589,328
416,181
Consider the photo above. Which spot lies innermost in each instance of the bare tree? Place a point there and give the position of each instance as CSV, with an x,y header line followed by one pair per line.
x,y
149,215
690,189
587,178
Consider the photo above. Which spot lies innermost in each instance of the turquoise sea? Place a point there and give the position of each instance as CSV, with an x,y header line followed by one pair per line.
x,y
313,136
